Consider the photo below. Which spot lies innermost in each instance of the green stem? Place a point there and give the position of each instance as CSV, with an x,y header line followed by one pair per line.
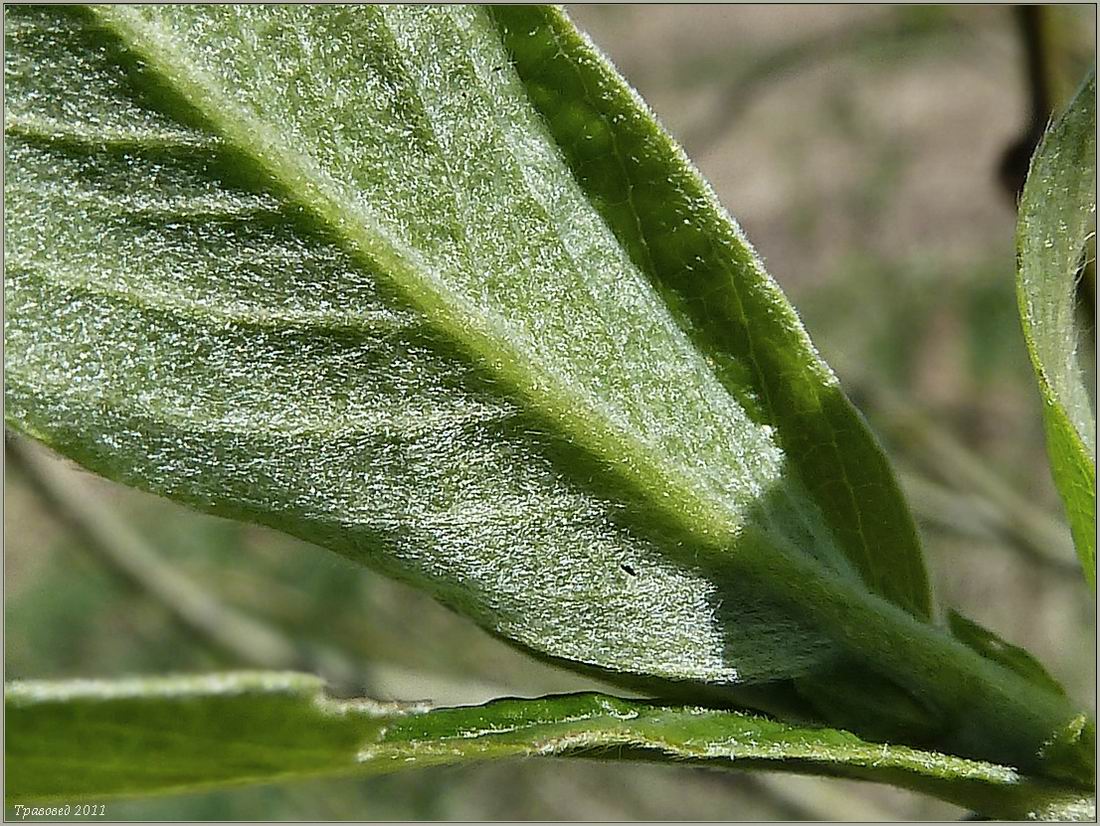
x,y
990,712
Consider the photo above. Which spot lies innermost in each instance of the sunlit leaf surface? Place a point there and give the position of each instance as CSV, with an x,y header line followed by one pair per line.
x,y
351,273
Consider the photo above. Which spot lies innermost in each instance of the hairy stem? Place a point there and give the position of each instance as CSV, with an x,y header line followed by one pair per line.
x,y
991,713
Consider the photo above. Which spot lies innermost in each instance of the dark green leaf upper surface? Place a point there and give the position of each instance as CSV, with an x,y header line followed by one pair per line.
x,y
329,270
93,739
1057,217
184,733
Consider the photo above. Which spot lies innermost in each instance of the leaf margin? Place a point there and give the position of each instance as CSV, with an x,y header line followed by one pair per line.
x,y
391,736
1069,423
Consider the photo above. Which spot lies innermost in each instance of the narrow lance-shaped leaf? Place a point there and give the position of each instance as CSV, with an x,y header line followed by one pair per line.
x,y
989,645
324,268
1057,218
187,733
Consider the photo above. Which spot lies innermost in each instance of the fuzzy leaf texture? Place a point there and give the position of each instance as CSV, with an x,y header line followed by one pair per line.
x,y
429,286
188,733
1057,218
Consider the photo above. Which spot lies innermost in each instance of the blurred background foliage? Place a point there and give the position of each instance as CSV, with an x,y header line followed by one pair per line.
x,y
870,154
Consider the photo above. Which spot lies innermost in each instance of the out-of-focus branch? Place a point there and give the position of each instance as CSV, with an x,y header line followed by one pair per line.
x,y
1033,26
819,798
1050,82
993,505
193,606
974,517
738,92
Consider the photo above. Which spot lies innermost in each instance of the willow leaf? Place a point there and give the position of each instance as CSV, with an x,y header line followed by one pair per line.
x,y
1057,218
330,269
989,645
670,222
326,269
64,741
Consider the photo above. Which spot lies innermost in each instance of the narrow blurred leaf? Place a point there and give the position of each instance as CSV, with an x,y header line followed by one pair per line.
x,y
65,741
1057,217
989,645
326,269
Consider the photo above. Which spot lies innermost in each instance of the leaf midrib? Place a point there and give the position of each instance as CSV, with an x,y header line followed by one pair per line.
x,y
914,572
486,339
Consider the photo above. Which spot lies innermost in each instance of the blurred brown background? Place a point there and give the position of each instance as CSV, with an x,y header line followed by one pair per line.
x,y
863,151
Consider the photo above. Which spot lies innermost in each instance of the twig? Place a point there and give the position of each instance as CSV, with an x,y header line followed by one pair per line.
x,y
819,798
737,94
1014,162
1027,528
127,554
975,517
